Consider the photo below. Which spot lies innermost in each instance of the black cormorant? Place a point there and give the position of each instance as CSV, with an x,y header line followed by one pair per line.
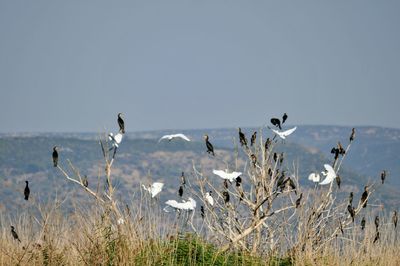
x,y
121,124
284,117
351,211
14,234
226,196
351,198
242,138
276,122
27,191
180,191
363,223
383,176
395,219
364,197
353,133
202,211
210,148
253,138
338,181
55,156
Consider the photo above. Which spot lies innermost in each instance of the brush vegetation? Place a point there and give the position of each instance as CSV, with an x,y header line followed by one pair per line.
x,y
269,219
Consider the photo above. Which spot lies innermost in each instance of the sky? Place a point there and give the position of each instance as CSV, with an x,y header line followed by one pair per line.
x,y
72,66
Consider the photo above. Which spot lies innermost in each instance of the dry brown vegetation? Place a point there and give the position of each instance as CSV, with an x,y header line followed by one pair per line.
x,y
264,222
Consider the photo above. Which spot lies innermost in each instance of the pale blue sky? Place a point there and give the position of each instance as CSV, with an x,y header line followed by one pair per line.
x,y
73,65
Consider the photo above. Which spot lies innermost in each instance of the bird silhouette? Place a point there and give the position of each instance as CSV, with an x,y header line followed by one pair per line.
x,y
267,144
238,181
242,138
276,122
55,156
202,211
180,191
298,201
284,117
14,234
85,181
253,160
364,197
352,212
351,198
253,138
353,134
225,194
27,191
383,176
395,219
363,223
210,148
121,123
338,181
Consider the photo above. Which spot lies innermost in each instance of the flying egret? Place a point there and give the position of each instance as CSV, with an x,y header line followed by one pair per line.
x,y
121,123
330,175
210,148
225,175
27,191
154,189
189,205
284,134
174,136
115,139
209,198
55,156
14,234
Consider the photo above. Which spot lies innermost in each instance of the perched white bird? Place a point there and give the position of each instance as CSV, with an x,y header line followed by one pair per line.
x,y
314,177
224,175
209,198
115,140
174,136
329,173
284,134
189,205
154,189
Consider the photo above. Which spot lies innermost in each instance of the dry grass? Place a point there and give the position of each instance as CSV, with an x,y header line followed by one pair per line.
x,y
260,225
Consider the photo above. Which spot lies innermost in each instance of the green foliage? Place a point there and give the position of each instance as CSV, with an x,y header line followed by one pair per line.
x,y
190,250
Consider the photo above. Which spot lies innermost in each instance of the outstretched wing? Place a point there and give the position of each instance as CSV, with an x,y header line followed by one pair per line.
x,y
288,132
330,175
156,188
182,136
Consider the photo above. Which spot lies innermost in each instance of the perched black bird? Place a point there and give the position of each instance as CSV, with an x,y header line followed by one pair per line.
x,y
226,196
238,181
270,172
298,201
276,122
267,143
253,138
210,148
353,133
27,191
377,237
183,179
275,156
342,151
121,124
338,181
376,222
180,191
202,211
292,185
351,198
281,158
284,117
383,176
85,181
55,156
363,223
242,138
364,197
336,152
395,219
14,234
253,160
352,212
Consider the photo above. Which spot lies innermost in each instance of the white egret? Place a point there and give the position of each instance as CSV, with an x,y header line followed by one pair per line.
x,y
225,175
284,134
209,198
315,177
154,189
174,136
329,173
189,205
115,139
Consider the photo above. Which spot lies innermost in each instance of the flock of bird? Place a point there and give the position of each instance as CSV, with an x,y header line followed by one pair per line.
x,y
190,205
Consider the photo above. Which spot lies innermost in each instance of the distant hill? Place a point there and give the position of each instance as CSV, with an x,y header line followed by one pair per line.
x,y
141,159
